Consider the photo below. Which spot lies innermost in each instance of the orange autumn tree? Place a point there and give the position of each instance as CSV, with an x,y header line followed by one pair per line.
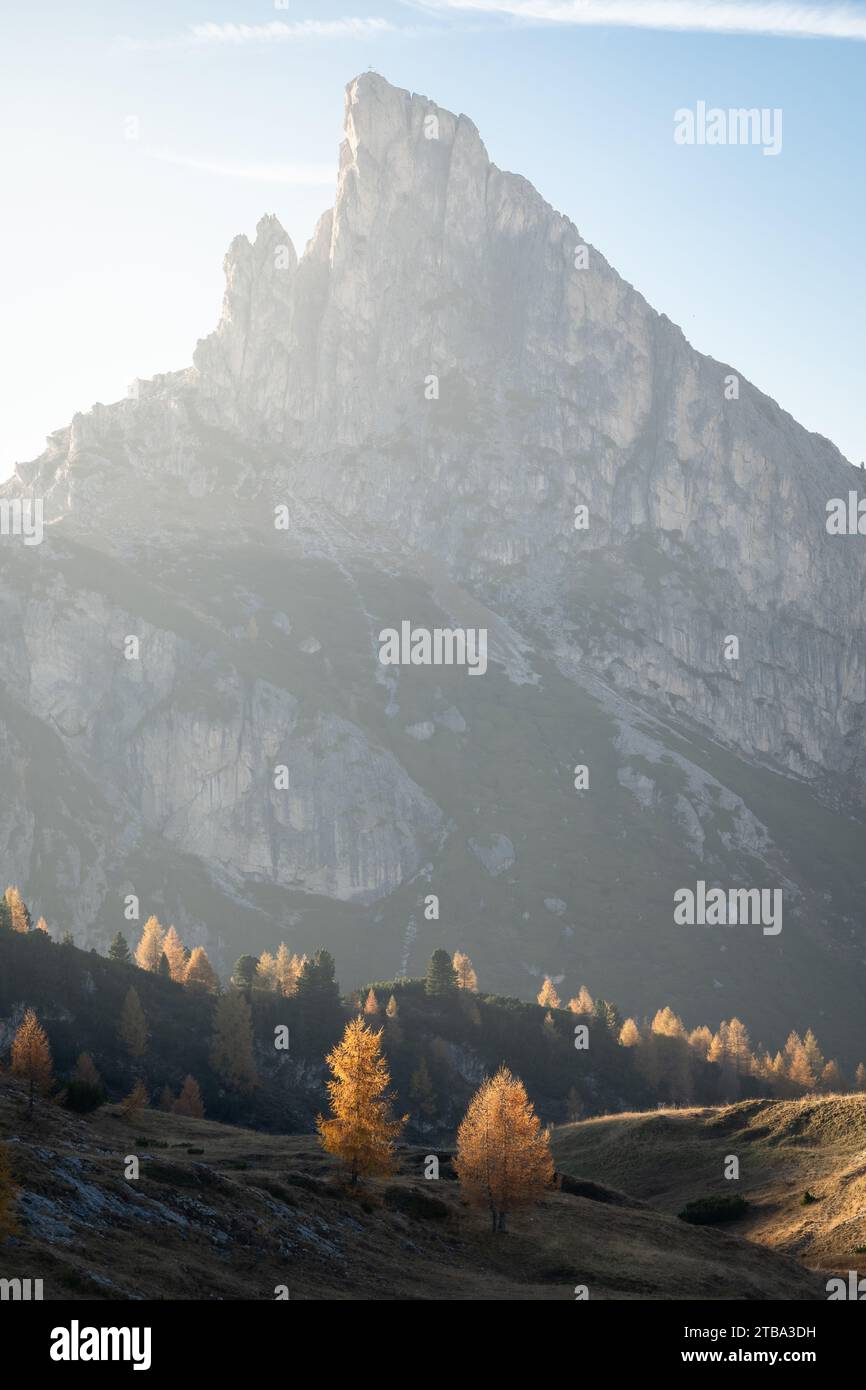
x,y
232,1052
200,974
362,1131
465,971
148,952
175,953
133,1026
547,995
31,1057
503,1154
189,1102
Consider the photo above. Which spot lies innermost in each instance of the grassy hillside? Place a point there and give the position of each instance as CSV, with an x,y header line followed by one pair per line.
x,y
785,1148
227,1213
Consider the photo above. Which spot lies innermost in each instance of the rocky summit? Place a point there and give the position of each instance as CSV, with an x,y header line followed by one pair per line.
x,y
450,412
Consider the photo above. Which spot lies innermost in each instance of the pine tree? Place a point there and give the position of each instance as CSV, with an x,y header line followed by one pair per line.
x,y
547,995
8,1196
244,974
362,1131
164,970
503,1154
5,915
31,1057
18,911
371,1003
174,952
200,974
465,972
149,949
320,1012
119,949
189,1102
231,1051
67,939
441,977
133,1026
421,1093
135,1102
607,1015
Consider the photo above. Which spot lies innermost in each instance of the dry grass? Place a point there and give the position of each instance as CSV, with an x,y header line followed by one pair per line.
x,y
253,1211
784,1148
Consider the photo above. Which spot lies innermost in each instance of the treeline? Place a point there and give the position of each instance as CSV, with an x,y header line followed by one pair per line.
x,y
672,1058
155,1021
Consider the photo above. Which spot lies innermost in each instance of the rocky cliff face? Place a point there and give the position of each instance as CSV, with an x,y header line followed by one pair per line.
x,y
445,375
558,386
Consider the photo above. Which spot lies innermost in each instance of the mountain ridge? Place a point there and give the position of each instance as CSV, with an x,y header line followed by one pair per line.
x,y
557,386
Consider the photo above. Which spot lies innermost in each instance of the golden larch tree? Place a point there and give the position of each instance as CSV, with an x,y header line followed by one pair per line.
x,y
465,971
149,949
137,1100
267,975
629,1034
200,974
371,1003
583,1002
547,995
42,925
133,1026
503,1153
362,1130
85,1072
288,970
31,1057
18,911
667,1024
175,953
8,1196
231,1051
189,1102
700,1041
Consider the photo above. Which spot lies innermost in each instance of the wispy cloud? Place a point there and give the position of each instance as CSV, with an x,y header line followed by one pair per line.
x,y
827,21
313,174
277,31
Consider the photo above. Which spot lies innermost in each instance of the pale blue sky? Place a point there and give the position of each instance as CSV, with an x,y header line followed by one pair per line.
x,y
112,248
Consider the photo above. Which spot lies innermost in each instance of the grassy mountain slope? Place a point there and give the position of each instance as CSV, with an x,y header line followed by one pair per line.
x,y
785,1148
228,1213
